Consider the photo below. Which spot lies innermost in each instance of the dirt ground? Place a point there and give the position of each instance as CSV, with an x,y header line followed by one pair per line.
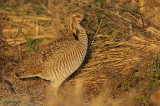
x,y
122,66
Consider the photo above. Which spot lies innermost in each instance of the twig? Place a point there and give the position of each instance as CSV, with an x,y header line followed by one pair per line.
x,y
37,27
49,12
14,14
19,51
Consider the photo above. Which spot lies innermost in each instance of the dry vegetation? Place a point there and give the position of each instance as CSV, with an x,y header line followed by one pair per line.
x,y
122,67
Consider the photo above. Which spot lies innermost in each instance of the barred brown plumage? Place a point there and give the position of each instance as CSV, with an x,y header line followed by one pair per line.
x,y
58,60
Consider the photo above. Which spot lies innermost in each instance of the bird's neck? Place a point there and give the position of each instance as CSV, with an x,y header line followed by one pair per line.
x,y
81,33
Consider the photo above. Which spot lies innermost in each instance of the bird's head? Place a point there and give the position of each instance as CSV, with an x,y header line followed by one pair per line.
x,y
75,18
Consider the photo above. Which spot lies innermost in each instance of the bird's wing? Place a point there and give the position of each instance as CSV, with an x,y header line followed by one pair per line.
x,y
56,49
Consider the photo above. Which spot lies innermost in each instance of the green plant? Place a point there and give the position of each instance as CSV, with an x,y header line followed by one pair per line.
x,y
31,44
102,1
55,1
141,98
154,74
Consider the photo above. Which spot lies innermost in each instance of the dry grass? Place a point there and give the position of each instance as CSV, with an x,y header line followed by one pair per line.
x,y
122,63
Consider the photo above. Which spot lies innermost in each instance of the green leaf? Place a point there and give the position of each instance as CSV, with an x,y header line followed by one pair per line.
x,y
30,42
20,30
26,39
31,49
62,18
36,49
55,1
102,1
26,52
9,8
39,41
33,44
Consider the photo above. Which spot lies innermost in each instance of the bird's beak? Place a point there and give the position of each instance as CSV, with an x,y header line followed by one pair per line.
x,y
79,20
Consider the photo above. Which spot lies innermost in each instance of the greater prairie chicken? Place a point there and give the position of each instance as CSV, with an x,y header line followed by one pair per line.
x,y
59,59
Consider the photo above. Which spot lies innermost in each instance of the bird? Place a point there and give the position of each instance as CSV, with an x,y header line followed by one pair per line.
x,y
60,58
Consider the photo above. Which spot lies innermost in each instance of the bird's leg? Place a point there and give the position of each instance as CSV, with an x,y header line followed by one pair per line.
x,y
54,88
